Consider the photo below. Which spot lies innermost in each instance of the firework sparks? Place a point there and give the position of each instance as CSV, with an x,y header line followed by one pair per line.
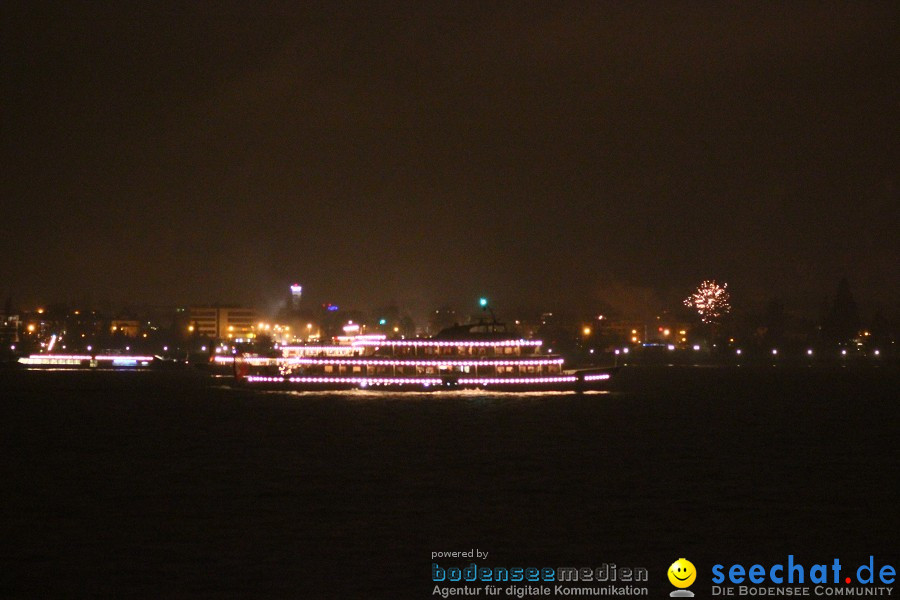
x,y
710,301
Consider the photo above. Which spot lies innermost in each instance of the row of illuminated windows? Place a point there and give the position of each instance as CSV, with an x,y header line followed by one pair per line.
x,y
460,351
429,370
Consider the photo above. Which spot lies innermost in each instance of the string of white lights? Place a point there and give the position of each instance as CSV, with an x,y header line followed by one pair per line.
x,y
518,380
391,362
444,343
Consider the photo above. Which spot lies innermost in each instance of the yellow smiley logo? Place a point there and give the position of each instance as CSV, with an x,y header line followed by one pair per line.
x,y
682,573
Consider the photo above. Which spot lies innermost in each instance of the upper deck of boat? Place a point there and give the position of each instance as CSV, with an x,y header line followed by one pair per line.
x,y
480,339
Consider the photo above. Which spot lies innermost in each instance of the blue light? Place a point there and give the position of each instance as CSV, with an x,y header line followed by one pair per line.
x,y
382,321
332,307
483,302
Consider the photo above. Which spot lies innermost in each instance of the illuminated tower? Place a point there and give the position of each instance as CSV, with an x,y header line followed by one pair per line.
x,y
296,294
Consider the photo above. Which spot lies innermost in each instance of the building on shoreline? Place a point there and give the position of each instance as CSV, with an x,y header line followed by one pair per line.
x,y
222,322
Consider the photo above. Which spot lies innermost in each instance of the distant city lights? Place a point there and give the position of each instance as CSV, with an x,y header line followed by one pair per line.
x,y
377,349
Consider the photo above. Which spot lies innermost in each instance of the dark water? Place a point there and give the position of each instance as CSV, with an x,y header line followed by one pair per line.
x,y
168,485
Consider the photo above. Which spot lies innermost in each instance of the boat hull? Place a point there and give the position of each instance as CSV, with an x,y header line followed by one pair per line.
x,y
580,381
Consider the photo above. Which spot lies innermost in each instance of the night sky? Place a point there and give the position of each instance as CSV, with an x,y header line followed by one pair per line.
x,y
543,154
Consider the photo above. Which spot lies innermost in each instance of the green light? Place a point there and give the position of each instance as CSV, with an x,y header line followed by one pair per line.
x,y
483,302
382,321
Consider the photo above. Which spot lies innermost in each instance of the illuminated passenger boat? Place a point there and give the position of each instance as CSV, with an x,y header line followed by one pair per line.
x,y
478,356
86,361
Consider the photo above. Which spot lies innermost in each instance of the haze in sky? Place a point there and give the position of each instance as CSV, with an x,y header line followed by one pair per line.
x,y
423,152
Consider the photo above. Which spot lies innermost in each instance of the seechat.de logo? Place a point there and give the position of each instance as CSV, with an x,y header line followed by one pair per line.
x,y
682,574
